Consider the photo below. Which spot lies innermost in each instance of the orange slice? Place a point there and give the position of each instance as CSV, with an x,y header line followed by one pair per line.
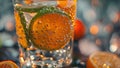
x,y
62,3
20,31
68,6
103,60
66,3
8,64
50,29
28,1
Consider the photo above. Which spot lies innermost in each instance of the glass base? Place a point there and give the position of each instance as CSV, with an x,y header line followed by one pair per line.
x,y
46,64
36,58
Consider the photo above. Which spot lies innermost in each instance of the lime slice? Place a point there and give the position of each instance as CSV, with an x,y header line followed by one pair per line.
x,y
26,9
50,29
21,29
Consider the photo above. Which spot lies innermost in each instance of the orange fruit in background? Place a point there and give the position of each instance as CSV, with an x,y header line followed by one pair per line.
x,y
79,29
8,64
103,60
51,29
20,31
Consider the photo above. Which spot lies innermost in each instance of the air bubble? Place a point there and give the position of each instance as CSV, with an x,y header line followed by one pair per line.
x,y
34,38
39,22
20,27
36,31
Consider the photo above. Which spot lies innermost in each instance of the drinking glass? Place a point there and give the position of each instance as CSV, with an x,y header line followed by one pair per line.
x,y
45,32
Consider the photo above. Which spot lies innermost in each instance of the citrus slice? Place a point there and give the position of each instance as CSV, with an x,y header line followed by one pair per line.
x,y
20,30
68,6
50,29
28,1
66,3
27,9
8,64
103,60
62,3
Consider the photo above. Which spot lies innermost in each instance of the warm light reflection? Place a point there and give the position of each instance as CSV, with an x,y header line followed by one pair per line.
x,y
106,66
21,60
115,43
18,5
113,48
28,64
94,29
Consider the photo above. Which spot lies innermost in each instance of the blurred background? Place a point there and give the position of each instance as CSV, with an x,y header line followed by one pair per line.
x,y
100,17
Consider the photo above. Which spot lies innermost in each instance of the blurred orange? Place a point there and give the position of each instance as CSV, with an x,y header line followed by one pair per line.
x,y
8,64
79,29
94,29
103,60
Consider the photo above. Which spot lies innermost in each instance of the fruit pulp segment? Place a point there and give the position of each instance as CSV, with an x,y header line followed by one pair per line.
x,y
20,31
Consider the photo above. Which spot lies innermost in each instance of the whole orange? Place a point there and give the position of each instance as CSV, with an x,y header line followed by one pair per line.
x,y
8,64
79,29
103,59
